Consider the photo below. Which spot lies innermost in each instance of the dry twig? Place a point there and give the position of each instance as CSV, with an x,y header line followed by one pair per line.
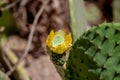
x,y
30,37
7,61
10,5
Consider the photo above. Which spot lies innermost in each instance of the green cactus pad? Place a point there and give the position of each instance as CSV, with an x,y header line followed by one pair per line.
x,y
96,54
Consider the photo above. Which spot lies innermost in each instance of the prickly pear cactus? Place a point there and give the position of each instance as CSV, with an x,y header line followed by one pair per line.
x,y
96,54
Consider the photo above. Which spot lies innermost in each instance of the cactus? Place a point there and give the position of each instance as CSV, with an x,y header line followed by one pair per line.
x,y
116,10
95,55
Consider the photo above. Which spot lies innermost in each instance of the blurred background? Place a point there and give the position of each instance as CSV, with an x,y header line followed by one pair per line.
x,y
19,17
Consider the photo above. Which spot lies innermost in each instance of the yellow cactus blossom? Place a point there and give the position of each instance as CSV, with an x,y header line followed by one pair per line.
x,y
59,41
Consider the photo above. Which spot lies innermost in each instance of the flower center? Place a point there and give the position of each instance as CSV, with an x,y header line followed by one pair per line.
x,y
58,39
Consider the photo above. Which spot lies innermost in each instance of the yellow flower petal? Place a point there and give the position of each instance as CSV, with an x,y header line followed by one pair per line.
x,y
49,39
68,40
59,41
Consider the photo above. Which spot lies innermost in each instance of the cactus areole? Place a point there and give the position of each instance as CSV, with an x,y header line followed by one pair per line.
x,y
96,54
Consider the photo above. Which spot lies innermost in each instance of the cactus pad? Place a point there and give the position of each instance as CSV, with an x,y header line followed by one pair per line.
x,y
96,54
